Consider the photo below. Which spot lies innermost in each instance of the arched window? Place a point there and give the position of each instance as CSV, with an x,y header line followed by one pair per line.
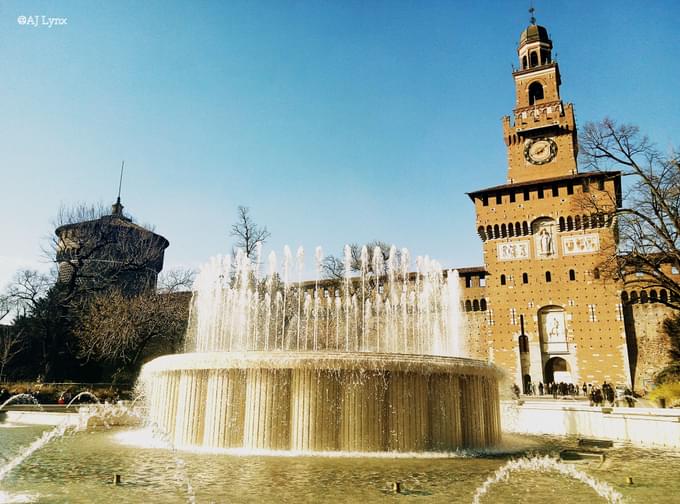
x,y
468,305
525,228
502,279
652,296
489,233
643,297
533,59
524,62
624,297
596,274
633,297
593,221
482,304
548,277
586,222
663,296
504,231
572,275
475,305
511,230
562,224
525,278
518,229
570,224
535,92
577,222
482,234
496,231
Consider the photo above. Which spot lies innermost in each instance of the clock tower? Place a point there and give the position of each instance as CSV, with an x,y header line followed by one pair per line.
x,y
541,135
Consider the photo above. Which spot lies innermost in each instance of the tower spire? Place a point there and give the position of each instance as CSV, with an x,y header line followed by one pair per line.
x,y
532,19
117,208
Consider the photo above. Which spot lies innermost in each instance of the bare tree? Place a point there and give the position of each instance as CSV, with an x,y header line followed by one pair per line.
x,y
248,234
647,214
176,280
333,267
121,330
12,343
25,291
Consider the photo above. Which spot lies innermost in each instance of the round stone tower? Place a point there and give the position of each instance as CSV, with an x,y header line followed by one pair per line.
x,y
109,252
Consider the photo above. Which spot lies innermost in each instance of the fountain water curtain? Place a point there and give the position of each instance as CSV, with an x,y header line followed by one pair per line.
x,y
368,362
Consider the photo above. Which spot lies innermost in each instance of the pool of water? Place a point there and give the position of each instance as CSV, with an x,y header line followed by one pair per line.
x,y
79,468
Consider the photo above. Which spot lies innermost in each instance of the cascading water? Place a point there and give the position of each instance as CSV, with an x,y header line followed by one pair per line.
x,y
364,363
234,310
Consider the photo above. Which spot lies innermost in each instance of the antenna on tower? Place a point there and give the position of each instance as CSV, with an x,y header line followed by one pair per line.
x,y
120,181
531,11
117,208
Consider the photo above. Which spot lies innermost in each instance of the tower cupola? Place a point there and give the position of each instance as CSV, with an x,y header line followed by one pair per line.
x,y
535,46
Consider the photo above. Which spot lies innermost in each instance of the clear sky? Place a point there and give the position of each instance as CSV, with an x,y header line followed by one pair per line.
x,y
335,121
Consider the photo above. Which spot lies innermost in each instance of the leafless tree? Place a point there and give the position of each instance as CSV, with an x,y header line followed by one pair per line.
x,y
176,280
121,330
648,211
333,267
12,343
248,234
25,290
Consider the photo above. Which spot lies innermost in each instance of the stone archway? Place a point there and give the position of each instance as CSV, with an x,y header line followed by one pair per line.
x,y
557,370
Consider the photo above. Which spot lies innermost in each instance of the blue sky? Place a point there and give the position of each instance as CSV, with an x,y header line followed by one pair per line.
x,y
335,121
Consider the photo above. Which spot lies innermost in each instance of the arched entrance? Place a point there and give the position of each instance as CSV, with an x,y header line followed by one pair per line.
x,y
557,370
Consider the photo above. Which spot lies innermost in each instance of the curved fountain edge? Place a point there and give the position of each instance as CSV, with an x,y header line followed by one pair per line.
x,y
363,361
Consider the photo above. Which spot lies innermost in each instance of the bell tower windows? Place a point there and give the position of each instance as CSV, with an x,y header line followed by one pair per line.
x,y
535,92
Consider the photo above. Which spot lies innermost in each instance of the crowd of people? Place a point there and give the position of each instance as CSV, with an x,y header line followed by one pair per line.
x,y
596,395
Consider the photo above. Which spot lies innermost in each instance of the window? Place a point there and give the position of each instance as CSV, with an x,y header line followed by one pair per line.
x,y
468,305
533,59
482,281
512,197
485,201
570,188
540,193
475,305
600,184
525,278
499,199
535,92
526,194
502,279
596,274
548,277
555,191
674,270
468,282
591,313
482,304
572,275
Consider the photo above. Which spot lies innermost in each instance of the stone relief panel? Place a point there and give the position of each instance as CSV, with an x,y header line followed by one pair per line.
x,y
545,233
580,244
553,328
512,251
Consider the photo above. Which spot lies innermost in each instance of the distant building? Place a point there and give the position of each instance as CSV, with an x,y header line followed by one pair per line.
x,y
109,252
539,307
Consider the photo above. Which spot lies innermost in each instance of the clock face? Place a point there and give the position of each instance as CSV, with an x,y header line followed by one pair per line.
x,y
540,150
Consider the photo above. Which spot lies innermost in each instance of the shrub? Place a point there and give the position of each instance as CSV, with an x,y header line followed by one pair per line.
x,y
668,391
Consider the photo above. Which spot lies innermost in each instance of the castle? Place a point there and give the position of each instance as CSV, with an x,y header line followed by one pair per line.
x,y
540,307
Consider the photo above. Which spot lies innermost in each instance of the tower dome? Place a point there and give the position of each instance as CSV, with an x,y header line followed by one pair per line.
x,y
534,33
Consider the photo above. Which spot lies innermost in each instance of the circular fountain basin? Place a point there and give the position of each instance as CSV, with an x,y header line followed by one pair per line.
x,y
323,402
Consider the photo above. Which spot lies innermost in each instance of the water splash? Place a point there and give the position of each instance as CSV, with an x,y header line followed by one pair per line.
x,y
84,393
547,464
21,397
377,306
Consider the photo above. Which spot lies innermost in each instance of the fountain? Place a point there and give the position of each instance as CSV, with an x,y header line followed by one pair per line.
x,y
369,363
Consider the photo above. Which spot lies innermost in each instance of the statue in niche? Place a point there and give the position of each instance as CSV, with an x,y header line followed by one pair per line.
x,y
544,238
